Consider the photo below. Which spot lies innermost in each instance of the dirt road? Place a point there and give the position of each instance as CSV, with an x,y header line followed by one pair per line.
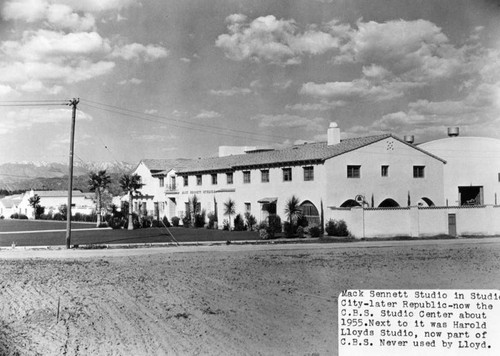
x,y
244,300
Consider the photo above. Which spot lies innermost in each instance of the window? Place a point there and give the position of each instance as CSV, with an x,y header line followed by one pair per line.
x,y
418,171
353,171
229,178
246,177
199,181
384,171
308,173
162,181
248,207
214,178
287,174
186,180
264,174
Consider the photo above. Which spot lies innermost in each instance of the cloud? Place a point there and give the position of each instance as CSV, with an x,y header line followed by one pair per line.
x,y
136,51
415,51
231,92
290,121
205,114
134,81
151,111
25,119
185,60
322,106
354,90
268,39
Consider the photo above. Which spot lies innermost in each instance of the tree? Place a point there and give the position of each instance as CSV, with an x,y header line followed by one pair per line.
x,y
34,201
229,209
98,182
293,210
130,183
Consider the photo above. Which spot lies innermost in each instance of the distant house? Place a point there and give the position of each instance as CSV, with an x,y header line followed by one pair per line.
x,y
51,200
10,205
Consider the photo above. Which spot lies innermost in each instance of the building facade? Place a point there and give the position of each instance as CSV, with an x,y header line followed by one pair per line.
x,y
378,171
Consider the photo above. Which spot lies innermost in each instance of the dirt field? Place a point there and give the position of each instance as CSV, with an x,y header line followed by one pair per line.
x,y
234,300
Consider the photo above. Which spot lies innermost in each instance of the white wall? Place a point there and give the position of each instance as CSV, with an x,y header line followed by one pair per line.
x,y
418,222
400,158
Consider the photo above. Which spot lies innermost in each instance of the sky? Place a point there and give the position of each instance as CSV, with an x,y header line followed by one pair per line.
x,y
179,78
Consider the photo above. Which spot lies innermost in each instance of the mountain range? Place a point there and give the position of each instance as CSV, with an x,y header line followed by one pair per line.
x,y
54,176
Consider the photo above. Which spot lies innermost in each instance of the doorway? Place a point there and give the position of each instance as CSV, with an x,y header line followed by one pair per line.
x,y
471,195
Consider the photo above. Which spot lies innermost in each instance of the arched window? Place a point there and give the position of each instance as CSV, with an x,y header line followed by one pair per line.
x,y
425,202
310,212
389,203
350,203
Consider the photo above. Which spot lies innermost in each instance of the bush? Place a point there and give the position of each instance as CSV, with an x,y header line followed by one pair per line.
x,y
175,221
302,221
250,220
262,225
58,216
239,224
336,228
274,225
2,217
199,219
263,234
116,223
14,216
300,232
313,230
212,220
165,222
186,221
290,229
225,225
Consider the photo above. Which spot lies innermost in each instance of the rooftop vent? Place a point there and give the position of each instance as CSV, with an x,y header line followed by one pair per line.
x,y
333,134
409,139
453,131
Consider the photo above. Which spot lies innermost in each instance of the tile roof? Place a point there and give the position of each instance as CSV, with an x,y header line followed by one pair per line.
x,y
312,152
11,200
162,166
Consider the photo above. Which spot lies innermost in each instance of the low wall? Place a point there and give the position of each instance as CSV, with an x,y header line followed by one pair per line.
x,y
418,221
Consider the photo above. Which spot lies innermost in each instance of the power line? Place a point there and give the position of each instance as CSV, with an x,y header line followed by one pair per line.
x,y
31,104
193,126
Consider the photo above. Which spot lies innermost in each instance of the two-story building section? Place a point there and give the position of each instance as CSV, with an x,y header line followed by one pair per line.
x,y
378,171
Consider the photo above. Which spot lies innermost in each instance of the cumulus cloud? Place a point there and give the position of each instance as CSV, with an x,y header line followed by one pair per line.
x,y
321,106
206,114
231,92
134,81
269,39
135,51
290,121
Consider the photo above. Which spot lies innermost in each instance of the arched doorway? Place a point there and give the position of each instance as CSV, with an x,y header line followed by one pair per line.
x,y
310,212
349,203
389,203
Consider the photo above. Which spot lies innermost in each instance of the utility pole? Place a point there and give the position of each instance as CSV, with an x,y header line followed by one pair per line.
x,y
72,103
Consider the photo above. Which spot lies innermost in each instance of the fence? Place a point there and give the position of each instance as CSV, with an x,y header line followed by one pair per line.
x,y
419,221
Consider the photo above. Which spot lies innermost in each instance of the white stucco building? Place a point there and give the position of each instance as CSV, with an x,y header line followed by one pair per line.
x,y
51,200
472,172
380,170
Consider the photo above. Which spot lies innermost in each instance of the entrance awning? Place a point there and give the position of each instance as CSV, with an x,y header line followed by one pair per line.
x,y
268,200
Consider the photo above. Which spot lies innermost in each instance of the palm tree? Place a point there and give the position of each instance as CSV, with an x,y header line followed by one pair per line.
x,y
229,209
130,183
292,209
98,182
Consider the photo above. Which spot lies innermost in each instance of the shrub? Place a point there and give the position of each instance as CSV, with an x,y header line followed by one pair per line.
x,y
166,222
262,225
314,230
302,221
239,224
1,217
212,220
78,217
263,234
274,227
199,219
14,216
175,221
225,225
116,223
300,232
156,223
290,229
103,224
23,217
250,220
58,216
186,221
336,228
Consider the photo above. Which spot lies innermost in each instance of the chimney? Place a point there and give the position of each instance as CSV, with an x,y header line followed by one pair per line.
x,y
453,131
409,139
333,134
